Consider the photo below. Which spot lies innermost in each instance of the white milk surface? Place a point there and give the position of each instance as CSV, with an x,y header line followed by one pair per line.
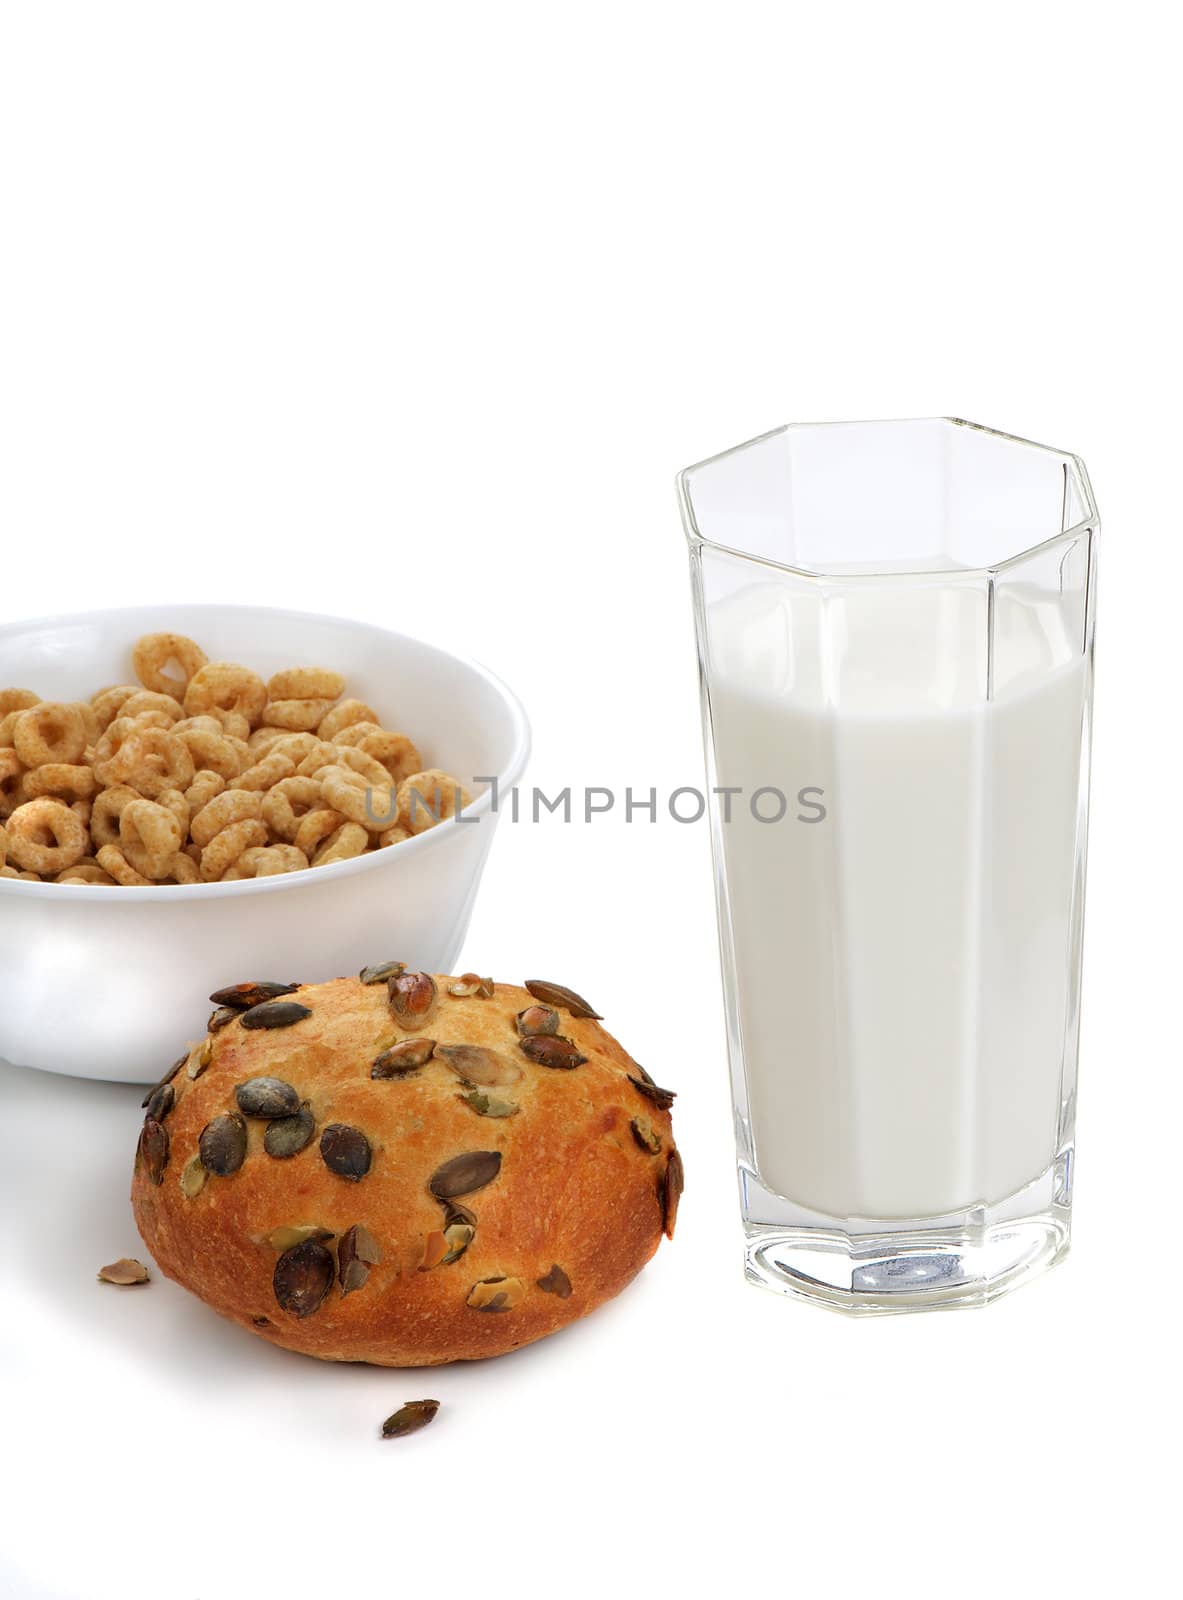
x,y
903,965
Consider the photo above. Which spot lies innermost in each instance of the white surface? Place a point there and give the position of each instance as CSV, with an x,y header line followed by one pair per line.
x,y
413,313
108,951
900,1061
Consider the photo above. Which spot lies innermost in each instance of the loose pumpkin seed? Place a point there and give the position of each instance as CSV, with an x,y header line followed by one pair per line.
x,y
222,1018
552,1051
168,1078
124,1271
222,1144
555,1281
465,1174
303,1276
663,1099
267,1097
536,1020
162,1101
275,1014
646,1135
241,996
475,1064
488,1105
297,1233
554,994
153,1150
672,1185
410,1418
193,1176
496,1294
345,1151
412,995
472,984
383,972
287,1136
402,1058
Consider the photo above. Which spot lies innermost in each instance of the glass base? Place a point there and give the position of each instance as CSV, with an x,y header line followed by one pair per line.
x,y
875,1268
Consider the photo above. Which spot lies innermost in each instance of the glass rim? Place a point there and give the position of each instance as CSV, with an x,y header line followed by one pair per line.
x,y
1090,523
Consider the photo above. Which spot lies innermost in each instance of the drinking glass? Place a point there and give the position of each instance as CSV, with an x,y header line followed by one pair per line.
x,y
895,638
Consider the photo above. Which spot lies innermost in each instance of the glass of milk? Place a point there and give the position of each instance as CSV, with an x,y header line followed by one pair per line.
x,y
895,636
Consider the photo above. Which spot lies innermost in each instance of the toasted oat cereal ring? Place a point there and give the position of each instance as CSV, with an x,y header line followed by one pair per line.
x,y
374,806
106,812
228,687
301,716
45,836
150,760
156,652
356,732
49,731
12,771
82,809
264,774
266,861
85,872
429,797
315,828
324,755
264,739
284,805
305,683
232,722
217,752
296,746
29,877
225,847
7,724
183,870
394,751
344,715
347,841
145,700
61,781
389,836
231,806
173,800
206,784
17,700
366,768
107,704
150,837
112,859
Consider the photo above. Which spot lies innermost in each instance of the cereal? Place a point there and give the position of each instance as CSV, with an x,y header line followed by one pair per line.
x,y
45,836
156,652
203,772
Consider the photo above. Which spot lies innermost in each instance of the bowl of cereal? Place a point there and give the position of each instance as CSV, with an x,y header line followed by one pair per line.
x,y
196,794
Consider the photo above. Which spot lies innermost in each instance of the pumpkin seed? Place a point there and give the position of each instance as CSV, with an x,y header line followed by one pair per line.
x,y
345,1151
435,1248
488,1105
261,1322
537,1019
124,1271
303,1276
222,1145
672,1185
241,996
267,1097
474,1064
222,1018
663,1099
552,1051
496,1294
412,995
275,1014
153,1150
356,1254
410,1418
163,1099
457,1236
555,1281
193,1176
199,1062
168,1078
472,984
646,1135
554,994
287,1136
382,973
400,1059
465,1174
455,1212
297,1233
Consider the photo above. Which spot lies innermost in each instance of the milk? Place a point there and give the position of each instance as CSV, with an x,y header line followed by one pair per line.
x,y
903,965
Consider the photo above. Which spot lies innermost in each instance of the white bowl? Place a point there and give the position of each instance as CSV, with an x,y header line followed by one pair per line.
x,y
111,982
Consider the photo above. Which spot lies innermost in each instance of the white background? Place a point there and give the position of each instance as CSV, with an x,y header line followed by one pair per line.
x,y
412,313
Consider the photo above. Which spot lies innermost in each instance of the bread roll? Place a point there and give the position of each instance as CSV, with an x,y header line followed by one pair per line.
x,y
405,1170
